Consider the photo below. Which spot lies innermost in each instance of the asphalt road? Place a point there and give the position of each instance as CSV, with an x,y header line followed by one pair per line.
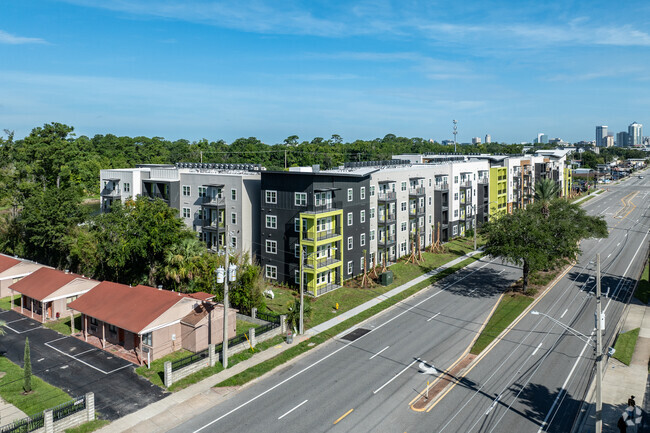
x,y
78,367
534,379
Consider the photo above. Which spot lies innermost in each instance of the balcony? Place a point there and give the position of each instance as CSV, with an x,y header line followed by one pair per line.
x,y
387,217
322,207
155,195
483,180
442,186
416,211
111,192
213,201
387,196
387,240
317,263
324,288
320,235
214,225
417,192
466,184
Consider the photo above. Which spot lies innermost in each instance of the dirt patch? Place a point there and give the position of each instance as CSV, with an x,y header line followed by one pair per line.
x,y
442,382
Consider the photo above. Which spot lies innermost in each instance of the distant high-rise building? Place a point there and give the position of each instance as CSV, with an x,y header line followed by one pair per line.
x,y
635,134
543,138
601,132
608,141
621,139
476,140
488,138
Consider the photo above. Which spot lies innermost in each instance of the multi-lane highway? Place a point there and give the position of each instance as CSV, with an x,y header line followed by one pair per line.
x,y
532,380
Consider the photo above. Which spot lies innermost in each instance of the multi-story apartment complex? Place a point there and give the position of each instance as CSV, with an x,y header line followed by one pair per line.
x,y
215,200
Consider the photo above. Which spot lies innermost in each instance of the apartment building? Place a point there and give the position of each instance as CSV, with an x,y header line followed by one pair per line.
x,y
217,201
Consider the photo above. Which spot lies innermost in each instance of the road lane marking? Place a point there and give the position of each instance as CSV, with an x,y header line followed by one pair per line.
x,y
379,352
626,269
565,311
343,416
14,321
501,272
494,403
432,317
618,244
536,349
395,377
291,410
609,255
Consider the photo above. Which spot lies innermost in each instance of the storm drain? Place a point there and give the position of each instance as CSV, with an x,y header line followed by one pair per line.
x,y
356,334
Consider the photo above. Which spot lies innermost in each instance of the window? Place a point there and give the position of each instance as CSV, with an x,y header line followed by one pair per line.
x,y
300,199
112,329
350,218
67,300
456,213
147,339
271,247
429,219
233,218
233,194
186,191
296,276
362,216
202,191
455,179
350,243
296,224
271,272
404,226
362,193
186,212
350,268
362,239
200,214
350,195
429,181
233,241
272,197
372,191
271,222
372,212
372,235
429,201
455,230
362,263
127,187
93,321
403,206
402,248
455,196
296,250
421,221
403,186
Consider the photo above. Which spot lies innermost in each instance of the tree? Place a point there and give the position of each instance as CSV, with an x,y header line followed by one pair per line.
x,y
180,263
545,191
526,238
27,368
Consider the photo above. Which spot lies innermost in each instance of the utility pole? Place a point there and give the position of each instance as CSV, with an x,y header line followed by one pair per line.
x,y
455,132
599,353
475,228
224,344
301,325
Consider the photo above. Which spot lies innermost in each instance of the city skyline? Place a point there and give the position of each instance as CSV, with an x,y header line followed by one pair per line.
x,y
361,70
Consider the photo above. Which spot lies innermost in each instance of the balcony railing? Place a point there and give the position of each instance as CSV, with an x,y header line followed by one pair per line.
x,y
214,225
466,184
483,180
323,206
416,211
444,186
155,195
418,191
213,201
316,263
320,235
387,196
387,217
111,192
324,288
387,239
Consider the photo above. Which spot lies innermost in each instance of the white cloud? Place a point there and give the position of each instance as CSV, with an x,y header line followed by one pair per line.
x,y
8,38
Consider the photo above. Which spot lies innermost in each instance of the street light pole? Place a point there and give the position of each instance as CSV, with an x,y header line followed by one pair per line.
x,y
224,344
475,228
599,353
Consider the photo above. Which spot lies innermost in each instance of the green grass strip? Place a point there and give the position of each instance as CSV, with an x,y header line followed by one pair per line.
x,y
43,395
62,326
642,292
510,307
625,344
88,427
5,303
268,365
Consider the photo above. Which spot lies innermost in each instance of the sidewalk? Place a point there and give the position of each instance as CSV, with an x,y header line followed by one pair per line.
x,y
9,413
181,406
621,381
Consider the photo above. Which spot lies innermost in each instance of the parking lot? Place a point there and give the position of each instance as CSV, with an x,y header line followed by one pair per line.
x,y
78,367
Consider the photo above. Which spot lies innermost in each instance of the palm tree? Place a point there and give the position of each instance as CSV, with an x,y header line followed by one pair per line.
x,y
181,262
545,191
293,313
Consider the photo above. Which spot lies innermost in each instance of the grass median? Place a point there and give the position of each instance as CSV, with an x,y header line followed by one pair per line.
x,y
642,292
268,365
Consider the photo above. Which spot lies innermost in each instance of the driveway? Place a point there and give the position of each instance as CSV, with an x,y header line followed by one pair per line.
x,y
78,367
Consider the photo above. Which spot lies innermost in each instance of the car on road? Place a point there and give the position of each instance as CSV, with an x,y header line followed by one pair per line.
x,y
640,177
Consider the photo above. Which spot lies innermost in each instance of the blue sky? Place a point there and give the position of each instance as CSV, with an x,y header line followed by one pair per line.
x,y
361,69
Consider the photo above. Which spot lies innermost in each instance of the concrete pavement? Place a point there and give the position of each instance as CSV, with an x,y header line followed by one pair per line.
x,y
621,381
9,413
195,399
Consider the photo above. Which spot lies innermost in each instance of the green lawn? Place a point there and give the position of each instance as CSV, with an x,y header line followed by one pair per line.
x,y
43,395
62,326
89,426
323,307
642,292
625,346
156,374
509,308
244,326
5,303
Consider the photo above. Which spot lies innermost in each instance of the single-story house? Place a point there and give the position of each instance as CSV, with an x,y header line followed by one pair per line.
x,y
46,293
12,269
151,323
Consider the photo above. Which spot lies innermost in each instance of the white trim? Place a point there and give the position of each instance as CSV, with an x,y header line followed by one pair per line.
x,y
66,296
155,328
16,276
